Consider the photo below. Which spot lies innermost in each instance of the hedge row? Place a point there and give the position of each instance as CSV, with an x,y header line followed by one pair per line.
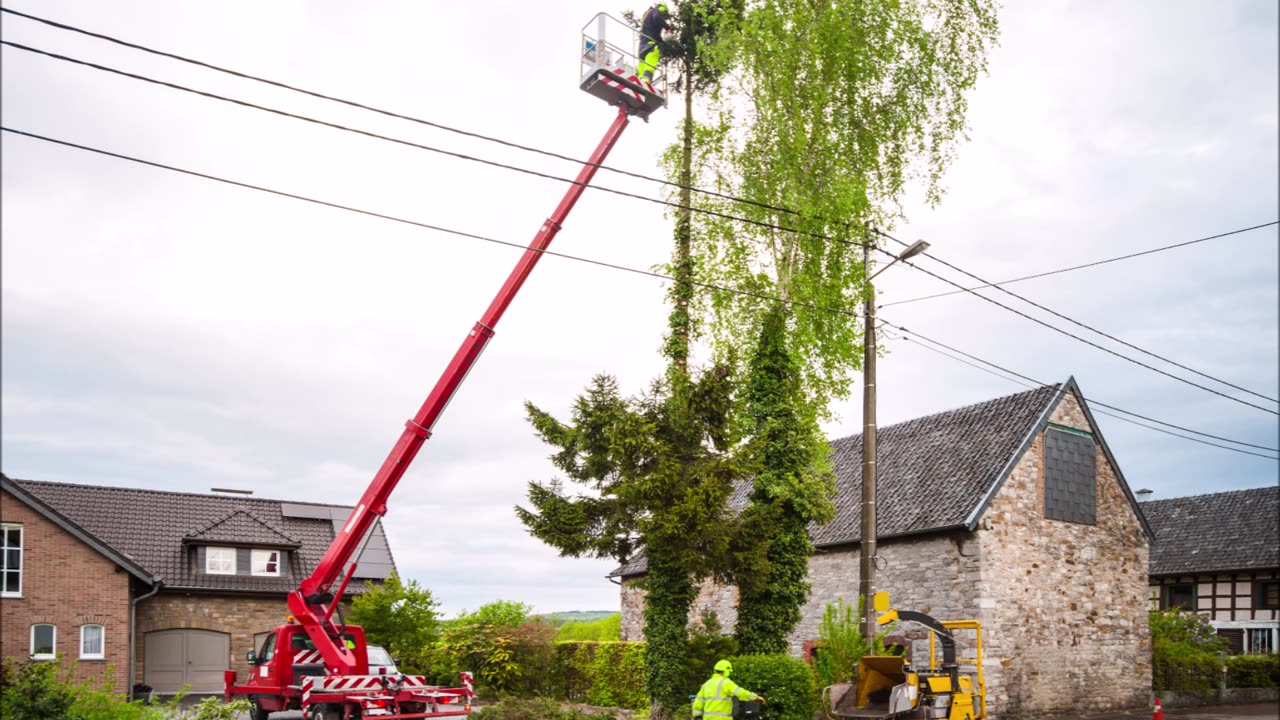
x,y
604,674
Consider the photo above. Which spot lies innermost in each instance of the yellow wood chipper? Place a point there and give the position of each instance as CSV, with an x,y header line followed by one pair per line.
x,y
887,686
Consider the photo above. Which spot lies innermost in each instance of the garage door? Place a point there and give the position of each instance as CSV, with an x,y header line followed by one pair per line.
x,y
173,658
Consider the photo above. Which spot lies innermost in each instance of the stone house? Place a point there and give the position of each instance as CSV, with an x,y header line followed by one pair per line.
x,y
1012,512
1219,555
162,588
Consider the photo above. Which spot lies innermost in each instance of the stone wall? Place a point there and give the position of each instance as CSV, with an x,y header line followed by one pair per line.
x,y
240,616
1064,605
67,584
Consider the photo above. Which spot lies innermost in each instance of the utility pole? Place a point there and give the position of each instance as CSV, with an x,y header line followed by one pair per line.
x,y
867,539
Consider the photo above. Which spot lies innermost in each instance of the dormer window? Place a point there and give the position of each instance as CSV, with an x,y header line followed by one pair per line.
x,y
266,562
220,561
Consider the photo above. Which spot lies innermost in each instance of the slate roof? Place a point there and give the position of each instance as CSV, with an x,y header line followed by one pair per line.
x,y
934,471
149,527
1238,530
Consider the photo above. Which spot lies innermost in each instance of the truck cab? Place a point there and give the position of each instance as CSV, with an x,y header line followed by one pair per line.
x,y
287,656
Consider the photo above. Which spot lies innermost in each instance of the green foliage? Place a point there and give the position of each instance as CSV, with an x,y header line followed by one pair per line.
x,y
213,708
659,469
606,629
1186,652
707,645
791,488
785,682
560,618
506,649
837,107
402,617
1253,671
45,691
514,708
604,674
841,643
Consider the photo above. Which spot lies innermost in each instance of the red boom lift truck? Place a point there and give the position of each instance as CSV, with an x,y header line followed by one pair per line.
x,y
319,664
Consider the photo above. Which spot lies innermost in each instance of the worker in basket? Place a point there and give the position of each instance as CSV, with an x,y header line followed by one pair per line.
x,y
651,37
715,697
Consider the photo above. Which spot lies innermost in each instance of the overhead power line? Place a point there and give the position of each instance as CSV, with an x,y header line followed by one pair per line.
x,y
758,223
1081,267
623,268
410,143
1077,337
401,116
1100,412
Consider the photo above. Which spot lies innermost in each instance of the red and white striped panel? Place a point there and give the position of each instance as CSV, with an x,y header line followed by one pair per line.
x,y
354,684
623,88
308,657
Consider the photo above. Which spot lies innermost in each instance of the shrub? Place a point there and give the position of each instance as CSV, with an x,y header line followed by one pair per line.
x,y
44,691
606,629
1253,671
1185,652
402,617
608,674
785,682
507,651
841,643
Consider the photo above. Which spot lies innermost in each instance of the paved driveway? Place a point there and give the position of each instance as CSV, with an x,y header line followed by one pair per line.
x,y
1218,712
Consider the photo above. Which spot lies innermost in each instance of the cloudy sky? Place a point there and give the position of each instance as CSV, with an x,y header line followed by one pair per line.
x,y
164,331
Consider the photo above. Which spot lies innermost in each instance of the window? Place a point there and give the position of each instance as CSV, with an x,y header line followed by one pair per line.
x,y
268,649
220,561
44,642
1260,641
1235,640
10,561
91,642
1269,595
1070,491
266,562
1182,595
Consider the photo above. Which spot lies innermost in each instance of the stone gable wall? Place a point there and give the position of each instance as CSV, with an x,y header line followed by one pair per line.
x,y
67,584
1064,604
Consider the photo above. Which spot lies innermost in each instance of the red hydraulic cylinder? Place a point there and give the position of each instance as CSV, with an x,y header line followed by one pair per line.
x,y
311,603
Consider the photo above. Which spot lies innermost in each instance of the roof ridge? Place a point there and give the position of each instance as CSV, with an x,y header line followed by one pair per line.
x,y
174,492
883,428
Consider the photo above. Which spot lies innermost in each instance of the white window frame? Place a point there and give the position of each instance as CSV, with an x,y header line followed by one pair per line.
x,y
44,656
4,559
102,643
209,553
265,556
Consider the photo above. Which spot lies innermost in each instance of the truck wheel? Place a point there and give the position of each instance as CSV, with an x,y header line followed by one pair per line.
x,y
327,711
257,712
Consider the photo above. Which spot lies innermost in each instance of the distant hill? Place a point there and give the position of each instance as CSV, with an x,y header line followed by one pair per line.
x,y
560,618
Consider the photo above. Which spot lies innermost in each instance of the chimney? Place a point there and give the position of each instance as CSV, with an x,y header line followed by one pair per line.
x,y
1143,495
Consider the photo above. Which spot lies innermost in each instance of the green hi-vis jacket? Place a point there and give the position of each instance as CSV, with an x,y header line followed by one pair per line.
x,y
715,697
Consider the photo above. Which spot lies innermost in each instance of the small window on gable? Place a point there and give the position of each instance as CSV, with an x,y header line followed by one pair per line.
x,y
92,642
266,562
44,642
10,561
1180,595
1269,595
220,561
1070,485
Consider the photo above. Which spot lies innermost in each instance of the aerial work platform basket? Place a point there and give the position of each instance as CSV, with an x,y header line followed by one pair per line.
x,y
609,67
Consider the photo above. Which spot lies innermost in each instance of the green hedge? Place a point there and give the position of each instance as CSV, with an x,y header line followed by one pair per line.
x,y
604,674
1253,671
784,681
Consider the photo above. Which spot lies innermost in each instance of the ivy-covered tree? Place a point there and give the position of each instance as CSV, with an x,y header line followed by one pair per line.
x,y
833,110
658,469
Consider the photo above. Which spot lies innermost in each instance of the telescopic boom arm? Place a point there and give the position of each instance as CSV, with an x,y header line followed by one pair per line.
x,y
313,603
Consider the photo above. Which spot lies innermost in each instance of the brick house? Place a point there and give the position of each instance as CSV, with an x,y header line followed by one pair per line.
x,y
1219,555
163,588
1012,512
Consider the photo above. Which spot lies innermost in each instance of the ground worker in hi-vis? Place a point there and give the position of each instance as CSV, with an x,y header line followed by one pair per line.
x,y
651,30
715,697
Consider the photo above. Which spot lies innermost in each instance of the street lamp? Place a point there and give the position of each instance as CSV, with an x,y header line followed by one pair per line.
x,y
867,543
